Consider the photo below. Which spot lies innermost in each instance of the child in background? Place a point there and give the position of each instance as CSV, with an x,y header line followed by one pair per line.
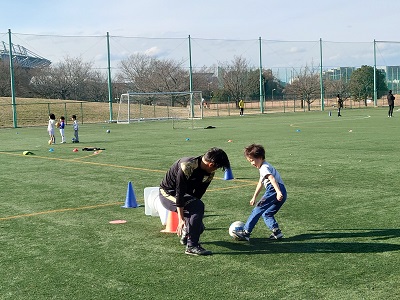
x,y
272,200
50,128
61,127
75,139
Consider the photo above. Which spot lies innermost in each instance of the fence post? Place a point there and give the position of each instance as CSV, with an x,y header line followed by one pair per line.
x,y
82,111
65,113
229,107
14,105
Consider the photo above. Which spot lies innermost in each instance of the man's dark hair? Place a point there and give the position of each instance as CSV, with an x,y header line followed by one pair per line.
x,y
218,157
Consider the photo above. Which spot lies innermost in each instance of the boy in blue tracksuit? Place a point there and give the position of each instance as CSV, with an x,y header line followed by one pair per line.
x,y
272,200
62,128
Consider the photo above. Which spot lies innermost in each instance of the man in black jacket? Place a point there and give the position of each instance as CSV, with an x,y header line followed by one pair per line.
x,y
181,190
390,99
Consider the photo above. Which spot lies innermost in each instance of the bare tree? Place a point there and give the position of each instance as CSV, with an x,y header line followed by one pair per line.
x,y
71,79
22,77
205,80
142,73
5,90
335,87
305,86
235,78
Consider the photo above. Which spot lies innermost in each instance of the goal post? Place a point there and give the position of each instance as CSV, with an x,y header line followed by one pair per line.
x,y
136,106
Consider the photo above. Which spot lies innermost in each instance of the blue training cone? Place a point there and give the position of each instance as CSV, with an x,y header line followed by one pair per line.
x,y
228,174
130,201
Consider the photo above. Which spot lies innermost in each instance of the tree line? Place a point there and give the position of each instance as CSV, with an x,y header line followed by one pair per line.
x,y
74,79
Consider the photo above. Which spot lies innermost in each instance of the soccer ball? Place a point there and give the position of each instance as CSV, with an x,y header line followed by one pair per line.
x,y
108,130
237,225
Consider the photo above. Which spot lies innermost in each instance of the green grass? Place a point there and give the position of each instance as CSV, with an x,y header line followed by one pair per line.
x,y
341,219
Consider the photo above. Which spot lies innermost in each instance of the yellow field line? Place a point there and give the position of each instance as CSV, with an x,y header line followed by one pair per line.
x,y
247,183
232,187
83,162
58,210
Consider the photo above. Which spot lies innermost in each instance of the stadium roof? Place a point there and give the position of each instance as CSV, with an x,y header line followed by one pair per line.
x,y
23,57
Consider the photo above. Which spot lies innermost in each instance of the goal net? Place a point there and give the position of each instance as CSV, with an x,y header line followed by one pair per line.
x,y
180,107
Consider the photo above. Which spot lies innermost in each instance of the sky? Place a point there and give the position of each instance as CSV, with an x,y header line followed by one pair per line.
x,y
291,20
338,20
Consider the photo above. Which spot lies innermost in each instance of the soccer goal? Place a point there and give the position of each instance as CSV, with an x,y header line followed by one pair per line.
x,y
176,106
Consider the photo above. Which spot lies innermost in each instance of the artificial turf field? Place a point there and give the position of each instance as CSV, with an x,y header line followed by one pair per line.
x,y
341,219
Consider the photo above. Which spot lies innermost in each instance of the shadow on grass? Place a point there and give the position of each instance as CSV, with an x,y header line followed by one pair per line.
x,y
375,234
317,242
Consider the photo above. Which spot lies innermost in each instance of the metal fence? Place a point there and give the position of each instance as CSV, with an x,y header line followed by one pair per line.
x,y
35,113
284,58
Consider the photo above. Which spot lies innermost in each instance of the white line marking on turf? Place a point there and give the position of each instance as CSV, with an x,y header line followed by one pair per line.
x,y
324,121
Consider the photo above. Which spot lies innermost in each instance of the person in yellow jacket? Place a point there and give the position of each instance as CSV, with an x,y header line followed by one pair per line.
x,y
241,107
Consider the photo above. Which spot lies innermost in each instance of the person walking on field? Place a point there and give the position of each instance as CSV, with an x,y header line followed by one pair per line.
x,y
390,99
241,107
181,191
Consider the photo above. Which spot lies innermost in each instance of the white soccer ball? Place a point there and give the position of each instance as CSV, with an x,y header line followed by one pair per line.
x,y
237,225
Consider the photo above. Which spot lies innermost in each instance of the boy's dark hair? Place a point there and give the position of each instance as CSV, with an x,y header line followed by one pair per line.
x,y
62,118
218,157
52,116
73,117
254,151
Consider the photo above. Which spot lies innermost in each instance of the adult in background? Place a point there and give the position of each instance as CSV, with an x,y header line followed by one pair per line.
x,y
339,105
181,190
390,99
241,107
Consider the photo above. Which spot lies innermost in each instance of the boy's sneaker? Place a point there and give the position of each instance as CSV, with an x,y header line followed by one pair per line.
x,y
184,236
241,235
276,234
197,251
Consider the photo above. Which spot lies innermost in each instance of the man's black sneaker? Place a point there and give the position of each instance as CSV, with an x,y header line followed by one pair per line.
x,y
276,234
241,235
197,251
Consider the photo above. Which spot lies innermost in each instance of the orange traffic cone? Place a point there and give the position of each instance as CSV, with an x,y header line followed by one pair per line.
x,y
172,222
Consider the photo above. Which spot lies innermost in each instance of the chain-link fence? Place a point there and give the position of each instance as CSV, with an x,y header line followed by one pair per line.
x,y
103,58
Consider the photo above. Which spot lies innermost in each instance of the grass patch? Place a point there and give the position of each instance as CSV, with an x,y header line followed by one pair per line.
x,y
342,237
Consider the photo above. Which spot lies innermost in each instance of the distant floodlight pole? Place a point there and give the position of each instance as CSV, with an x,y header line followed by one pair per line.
x,y
14,105
261,81
109,77
272,95
375,90
191,80
321,81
